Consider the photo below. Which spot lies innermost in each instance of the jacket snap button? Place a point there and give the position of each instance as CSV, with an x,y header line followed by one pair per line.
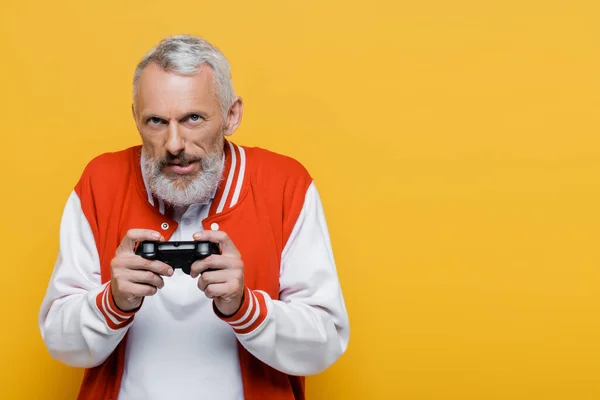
x,y
164,226
214,226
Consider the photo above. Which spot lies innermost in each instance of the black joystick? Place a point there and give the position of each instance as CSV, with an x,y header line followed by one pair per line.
x,y
177,254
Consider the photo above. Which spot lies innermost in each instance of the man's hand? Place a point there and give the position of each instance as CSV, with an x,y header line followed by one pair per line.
x,y
134,277
225,285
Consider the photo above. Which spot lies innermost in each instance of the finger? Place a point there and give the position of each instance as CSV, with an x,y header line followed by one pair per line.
x,y
220,237
219,290
213,277
138,289
215,261
133,236
139,263
145,277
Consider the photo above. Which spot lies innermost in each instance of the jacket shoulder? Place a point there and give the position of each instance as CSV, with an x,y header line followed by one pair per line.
x,y
106,170
271,167
282,182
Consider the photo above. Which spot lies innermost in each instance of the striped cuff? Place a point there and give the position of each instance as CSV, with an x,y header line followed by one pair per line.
x,y
251,314
115,318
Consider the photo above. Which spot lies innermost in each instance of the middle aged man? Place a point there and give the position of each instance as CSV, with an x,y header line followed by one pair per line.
x,y
249,323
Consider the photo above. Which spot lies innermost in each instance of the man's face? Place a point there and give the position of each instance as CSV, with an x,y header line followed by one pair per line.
x,y
181,125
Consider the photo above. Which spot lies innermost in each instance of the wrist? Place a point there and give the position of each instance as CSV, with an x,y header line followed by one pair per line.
x,y
124,306
230,314
250,315
114,317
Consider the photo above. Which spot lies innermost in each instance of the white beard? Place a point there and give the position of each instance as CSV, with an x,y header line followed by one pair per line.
x,y
182,191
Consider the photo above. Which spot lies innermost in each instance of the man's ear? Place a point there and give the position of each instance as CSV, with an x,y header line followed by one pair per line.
x,y
234,117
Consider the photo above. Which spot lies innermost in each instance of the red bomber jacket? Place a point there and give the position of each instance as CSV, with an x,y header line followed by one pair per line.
x,y
293,321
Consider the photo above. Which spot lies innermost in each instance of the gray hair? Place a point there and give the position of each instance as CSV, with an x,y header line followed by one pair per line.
x,y
185,54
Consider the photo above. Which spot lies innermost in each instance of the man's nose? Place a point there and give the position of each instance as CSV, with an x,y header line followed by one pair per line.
x,y
174,142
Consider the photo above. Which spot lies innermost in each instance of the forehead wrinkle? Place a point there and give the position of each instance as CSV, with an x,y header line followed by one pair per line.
x,y
168,94
154,74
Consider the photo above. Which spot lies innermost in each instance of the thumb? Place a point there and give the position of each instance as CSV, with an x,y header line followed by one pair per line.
x,y
136,235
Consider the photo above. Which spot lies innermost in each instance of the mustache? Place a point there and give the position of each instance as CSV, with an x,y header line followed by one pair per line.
x,y
182,159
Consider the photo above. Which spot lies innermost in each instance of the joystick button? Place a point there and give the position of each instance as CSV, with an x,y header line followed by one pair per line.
x,y
148,248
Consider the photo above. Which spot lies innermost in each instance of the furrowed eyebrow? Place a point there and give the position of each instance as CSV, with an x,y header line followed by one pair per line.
x,y
146,117
200,113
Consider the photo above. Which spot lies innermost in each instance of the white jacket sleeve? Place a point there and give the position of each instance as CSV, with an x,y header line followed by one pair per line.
x,y
78,320
307,329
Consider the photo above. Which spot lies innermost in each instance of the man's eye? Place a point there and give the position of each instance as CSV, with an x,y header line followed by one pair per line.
x,y
154,120
194,118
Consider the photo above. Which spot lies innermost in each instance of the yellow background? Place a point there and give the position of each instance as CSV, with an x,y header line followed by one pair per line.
x,y
455,144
